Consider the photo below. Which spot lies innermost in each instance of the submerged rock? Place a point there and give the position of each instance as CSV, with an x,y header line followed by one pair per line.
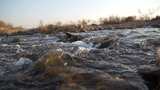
x,y
22,63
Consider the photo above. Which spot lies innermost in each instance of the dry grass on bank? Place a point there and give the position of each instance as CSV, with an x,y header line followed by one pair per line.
x,y
112,22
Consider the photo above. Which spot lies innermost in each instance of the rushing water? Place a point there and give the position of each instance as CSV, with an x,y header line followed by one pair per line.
x,y
116,52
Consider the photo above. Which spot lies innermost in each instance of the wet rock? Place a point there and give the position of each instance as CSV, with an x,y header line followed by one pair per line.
x,y
71,37
102,42
10,40
151,75
108,42
95,81
54,62
153,42
22,63
77,79
158,56
57,63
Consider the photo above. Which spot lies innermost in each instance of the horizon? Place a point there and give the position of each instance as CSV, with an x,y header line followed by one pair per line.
x,y
28,13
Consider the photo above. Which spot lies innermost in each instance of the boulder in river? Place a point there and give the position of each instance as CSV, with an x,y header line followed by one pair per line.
x,y
57,63
53,62
107,42
158,56
96,81
102,42
153,42
151,75
22,63
71,37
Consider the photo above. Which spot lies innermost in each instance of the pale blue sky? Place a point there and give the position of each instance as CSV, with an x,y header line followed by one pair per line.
x,y
29,12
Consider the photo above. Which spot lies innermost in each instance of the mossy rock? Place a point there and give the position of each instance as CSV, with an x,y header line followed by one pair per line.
x,y
54,61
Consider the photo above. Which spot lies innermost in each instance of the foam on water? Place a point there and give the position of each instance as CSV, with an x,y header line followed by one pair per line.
x,y
82,44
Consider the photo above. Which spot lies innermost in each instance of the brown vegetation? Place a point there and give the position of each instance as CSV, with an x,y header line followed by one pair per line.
x,y
158,56
105,23
113,22
8,29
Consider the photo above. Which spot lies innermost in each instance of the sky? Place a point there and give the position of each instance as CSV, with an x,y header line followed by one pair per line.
x,y
28,13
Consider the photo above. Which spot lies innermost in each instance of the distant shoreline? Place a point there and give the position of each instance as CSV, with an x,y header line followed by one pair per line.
x,y
109,23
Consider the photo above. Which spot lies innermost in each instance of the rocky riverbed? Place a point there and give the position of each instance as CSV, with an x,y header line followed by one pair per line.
x,y
96,60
